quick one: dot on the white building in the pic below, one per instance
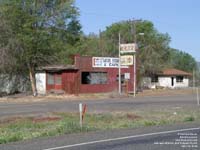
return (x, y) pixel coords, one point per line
(168, 78)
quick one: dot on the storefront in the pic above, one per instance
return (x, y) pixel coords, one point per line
(87, 75)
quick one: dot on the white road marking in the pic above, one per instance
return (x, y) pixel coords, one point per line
(121, 138)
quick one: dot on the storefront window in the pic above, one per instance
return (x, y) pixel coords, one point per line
(94, 78)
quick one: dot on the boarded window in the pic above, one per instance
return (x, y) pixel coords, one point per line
(179, 79)
(94, 78)
(50, 79)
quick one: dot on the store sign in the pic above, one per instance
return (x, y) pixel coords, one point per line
(128, 48)
(126, 60)
(106, 62)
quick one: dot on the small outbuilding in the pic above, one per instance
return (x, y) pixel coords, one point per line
(86, 75)
(168, 78)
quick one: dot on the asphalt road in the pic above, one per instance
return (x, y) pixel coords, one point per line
(99, 106)
(176, 137)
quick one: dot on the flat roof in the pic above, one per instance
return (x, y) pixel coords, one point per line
(57, 68)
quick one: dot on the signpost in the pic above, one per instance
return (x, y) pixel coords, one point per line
(119, 80)
(198, 102)
(128, 60)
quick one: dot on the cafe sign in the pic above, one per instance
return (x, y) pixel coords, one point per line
(126, 60)
(106, 62)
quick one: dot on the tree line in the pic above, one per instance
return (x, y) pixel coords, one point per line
(36, 33)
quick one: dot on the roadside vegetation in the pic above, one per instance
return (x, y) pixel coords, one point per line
(23, 128)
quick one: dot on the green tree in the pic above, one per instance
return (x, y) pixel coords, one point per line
(35, 31)
(182, 60)
(153, 46)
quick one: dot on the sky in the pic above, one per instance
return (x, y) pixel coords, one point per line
(179, 18)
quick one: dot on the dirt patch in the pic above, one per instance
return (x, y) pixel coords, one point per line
(10, 120)
(66, 97)
(46, 119)
(133, 116)
(166, 92)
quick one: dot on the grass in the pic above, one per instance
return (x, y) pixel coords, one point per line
(65, 123)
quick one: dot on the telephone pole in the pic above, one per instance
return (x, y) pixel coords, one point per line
(134, 55)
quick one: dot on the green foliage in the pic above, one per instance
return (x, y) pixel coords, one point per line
(154, 52)
(35, 31)
(189, 119)
(153, 46)
(182, 60)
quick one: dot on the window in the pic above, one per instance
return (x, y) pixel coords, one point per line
(50, 79)
(179, 79)
(154, 79)
(58, 79)
(53, 79)
(122, 78)
(94, 78)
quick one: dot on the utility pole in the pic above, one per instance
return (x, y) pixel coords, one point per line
(133, 28)
(134, 57)
(194, 80)
(198, 102)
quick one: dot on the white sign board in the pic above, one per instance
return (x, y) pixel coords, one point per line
(128, 48)
(127, 76)
(126, 60)
(106, 62)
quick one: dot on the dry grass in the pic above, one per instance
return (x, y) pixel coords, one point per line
(22, 128)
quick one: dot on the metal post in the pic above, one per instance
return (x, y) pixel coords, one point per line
(80, 113)
(134, 57)
(198, 102)
(134, 83)
(119, 77)
(194, 80)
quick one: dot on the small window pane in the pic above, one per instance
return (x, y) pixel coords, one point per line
(154, 79)
(58, 80)
(179, 79)
(50, 78)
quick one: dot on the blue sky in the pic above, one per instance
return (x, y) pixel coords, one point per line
(179, 18)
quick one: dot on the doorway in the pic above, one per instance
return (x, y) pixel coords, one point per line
(172, 83)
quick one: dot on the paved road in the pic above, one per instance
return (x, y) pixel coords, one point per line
(174, 137)
(108, 105)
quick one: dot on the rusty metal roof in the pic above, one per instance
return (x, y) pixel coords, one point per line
(173, 71)
(57, 68)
